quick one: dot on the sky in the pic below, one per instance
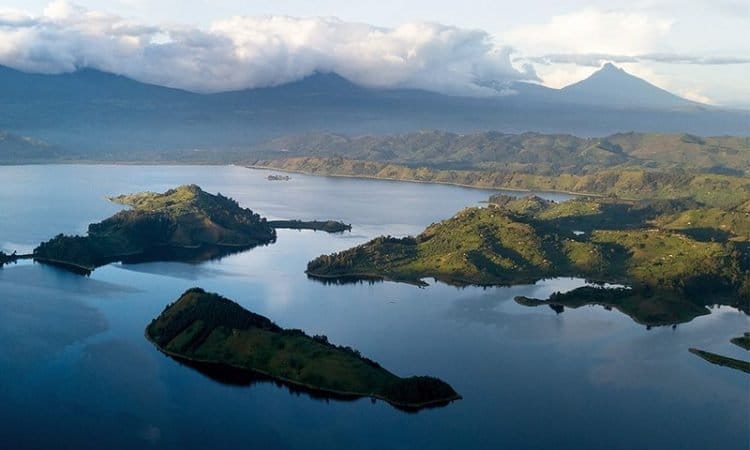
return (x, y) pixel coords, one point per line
(695, 48)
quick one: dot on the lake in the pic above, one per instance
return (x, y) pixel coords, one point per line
(76, 371)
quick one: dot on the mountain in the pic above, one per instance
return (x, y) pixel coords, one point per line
(90, 114)
(613, 86)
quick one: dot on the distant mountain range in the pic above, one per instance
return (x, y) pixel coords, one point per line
(96, 114)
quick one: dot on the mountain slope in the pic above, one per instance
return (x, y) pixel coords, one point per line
(95, 115)
(613, 86)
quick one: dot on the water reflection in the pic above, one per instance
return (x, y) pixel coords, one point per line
(37, 331)
(181, 270)
(232, 376)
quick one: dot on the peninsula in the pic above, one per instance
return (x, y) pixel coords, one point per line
(207, 328)
(674, 262)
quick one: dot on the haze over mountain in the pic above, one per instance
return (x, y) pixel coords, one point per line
(615, 87)
(99, 114)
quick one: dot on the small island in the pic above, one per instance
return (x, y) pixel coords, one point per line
(666, 252)
(184, 224)
(329, 226)
(207, 328)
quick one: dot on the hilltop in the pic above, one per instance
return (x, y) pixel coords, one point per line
(207, 328)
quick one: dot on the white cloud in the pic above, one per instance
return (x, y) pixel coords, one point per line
(650, 40)
(592, 31)
(247, 52)
(561, 75)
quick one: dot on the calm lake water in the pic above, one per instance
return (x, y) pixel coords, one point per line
(76, 371)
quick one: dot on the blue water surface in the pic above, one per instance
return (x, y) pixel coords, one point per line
(76, 371)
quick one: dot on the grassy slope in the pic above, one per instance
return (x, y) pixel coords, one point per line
(520, 241)
(209, 328)
(496, 245)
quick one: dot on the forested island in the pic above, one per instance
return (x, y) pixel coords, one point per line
(675, 256)
(182, 224)
(208, 328)
(185, 223)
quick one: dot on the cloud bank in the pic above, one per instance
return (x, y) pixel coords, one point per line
(251, 52)
(597, 59)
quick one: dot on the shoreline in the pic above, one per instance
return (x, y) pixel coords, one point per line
(310, 387)
(65, 265)
(301, 172)
(419, 282)
(444, 183)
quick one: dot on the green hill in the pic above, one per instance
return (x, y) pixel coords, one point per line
(525, 240)
(208, 328)
(185, 223)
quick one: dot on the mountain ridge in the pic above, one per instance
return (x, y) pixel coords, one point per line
(95, 113)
